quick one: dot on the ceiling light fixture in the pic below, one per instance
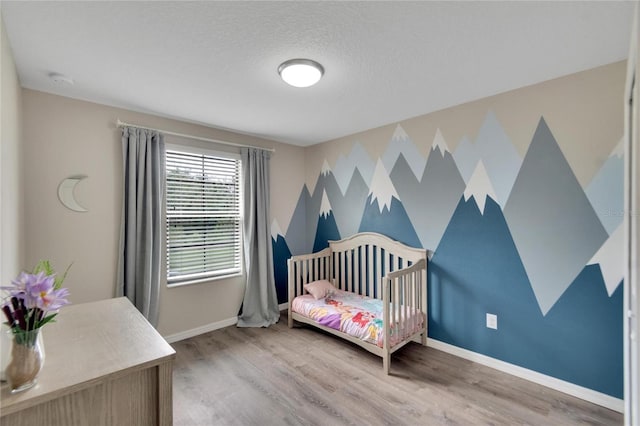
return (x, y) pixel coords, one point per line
(301, 72)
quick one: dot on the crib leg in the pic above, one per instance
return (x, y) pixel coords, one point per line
(385, 363)
(290, 320)
(423, 338)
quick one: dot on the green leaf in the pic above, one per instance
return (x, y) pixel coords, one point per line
(47, 319)
(45, 266)
(60, 279)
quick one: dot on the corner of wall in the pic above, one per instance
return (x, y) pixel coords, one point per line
(11, 166)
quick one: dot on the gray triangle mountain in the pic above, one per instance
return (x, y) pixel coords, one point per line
(554, 227)
(431, 202)
(348, 208)
(296, 235)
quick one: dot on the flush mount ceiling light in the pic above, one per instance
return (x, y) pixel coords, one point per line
(301, 72)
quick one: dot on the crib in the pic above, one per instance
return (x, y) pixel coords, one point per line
(368, 266)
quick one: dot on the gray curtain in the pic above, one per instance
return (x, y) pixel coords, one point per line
(140, 232)
(260, 304)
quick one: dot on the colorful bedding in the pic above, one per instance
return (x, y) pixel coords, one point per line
(355, 315)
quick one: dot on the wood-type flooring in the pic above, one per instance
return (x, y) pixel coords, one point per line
(302, 376)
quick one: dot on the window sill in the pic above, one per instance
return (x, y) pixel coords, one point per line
(203, 280)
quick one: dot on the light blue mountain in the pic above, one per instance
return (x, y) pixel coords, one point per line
(606, 191)
(466, 157)
(551, 220)
(501, 160)
(345, 167)
(348, 208)
(494, 148)
(430, 202)
(401, 144)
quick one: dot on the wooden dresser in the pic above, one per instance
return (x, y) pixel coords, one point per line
(104, 365)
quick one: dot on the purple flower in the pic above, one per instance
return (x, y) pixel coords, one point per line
(40, 293)
(19, 284)
(53, 300)
(33, 300)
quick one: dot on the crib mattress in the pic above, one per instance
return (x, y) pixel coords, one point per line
(358, 316)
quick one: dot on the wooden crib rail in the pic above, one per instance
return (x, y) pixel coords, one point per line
(304, 269)
(381, 241)
(404, 305)
(307, 268)
(362, 260)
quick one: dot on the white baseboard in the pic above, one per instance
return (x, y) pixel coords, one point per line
(200, 330)
(210, 327)
(587, 394)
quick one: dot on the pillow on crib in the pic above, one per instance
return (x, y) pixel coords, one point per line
(319, 289)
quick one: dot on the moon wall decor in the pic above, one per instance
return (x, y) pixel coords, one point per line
(65, 193)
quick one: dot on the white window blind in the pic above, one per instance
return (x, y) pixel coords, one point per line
(203, 216)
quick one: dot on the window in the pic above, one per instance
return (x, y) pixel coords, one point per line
(203, 216)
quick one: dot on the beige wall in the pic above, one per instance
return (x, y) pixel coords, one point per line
(11, 183)
(64, 137)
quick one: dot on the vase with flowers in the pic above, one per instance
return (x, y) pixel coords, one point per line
(33, 301)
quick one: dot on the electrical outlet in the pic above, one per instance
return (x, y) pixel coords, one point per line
(492, 321)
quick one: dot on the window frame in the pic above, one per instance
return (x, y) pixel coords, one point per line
(205, 276)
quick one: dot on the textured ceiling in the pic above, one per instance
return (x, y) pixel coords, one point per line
(215, 63)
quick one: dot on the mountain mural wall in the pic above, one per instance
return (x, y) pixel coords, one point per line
(553, 224)
(516, 236)
(579, 340)
(605, 192)
(440, 184)
(494, 149)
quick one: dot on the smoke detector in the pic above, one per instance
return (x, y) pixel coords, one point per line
(60, 79)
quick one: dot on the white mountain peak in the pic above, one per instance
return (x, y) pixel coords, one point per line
(275, 230)
(610, 261)
(325, 206)
(382, 188)
(479, 187)
(439, 143)
(618, 151)
(399, 134)
(325, 168)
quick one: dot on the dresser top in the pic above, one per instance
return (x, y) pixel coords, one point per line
(88, 343)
